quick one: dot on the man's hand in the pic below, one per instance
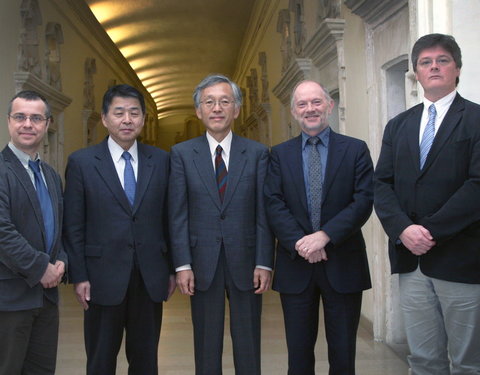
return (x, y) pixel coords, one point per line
(317, 256)
(186, 282)
(82, 291)
(261, 280)
(171, 286)
(417, 239)
(312, 243)
(52, 276)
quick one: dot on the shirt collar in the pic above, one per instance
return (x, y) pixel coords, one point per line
(22, 156)
(116, 150)
(226, 143)
(324, 136)
(444, 102)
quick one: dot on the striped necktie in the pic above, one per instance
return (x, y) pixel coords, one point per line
(428, 135)
(220, 172)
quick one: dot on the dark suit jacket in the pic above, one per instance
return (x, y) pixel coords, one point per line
(346, 206)
(444, 196)
(199, 222)
(103, 232)
(23, 259)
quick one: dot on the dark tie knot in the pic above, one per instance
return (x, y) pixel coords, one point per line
(34, 165)
(219, 150)
(313, 140)
(126, 155)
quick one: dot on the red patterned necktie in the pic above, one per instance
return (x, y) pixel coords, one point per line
(220, 172)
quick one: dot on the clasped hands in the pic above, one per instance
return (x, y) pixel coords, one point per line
(417, 239)
(312, 247)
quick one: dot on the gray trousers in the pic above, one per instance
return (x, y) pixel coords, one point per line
(442, 322)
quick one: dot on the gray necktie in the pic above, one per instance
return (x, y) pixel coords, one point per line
(129, 183)
(315, 182)
(428, 135)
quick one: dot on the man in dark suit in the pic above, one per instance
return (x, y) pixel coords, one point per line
(319, 193)
(221, 243)
(116, 236)
(32, 260)
(427, 194)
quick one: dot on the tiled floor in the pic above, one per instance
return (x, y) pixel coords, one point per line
(176, 343)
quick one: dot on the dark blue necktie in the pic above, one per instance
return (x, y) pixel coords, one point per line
(129, 183)
(45, 204)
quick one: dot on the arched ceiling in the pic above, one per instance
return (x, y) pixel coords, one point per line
(173, 44)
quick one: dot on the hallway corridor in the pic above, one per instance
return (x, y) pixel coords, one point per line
(176, 343)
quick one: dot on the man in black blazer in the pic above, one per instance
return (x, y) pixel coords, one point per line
(317, 219)
(32, 260)
(221, 243)
(427, 196)
(116, 236)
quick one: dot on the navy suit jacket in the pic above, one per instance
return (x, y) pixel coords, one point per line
(200, 222)
(347, 199)
(444, 196)
(23, 259)
(104, 235)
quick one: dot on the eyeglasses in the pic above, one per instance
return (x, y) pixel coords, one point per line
(34, 119)
(441, 61)
(210, 103)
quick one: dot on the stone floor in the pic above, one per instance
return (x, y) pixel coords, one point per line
(176, 343)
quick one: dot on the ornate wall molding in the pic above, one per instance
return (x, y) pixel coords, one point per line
(297, 71)
(322, 46)
(375, 12)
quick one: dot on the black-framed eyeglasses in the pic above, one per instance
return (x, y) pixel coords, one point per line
(34, 119)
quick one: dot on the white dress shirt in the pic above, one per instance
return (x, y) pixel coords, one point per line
(116, 152)
(441, 106)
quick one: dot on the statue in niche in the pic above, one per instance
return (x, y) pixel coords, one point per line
(53, 39)
(252, 84)
(296, 6)
(283, 27)
(262, 61)
(28, 56)
(90, 68)
(329, 9)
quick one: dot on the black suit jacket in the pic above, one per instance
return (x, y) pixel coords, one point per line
(23, 259)
(444, 196)
(346, 206)
(104, 235)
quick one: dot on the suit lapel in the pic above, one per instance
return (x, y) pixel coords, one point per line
(337, 147)
(107, 172)
(145, 171)
(25, 181)
(203, 163)
(412, 131)
(236, 166)
(449, 123)
(295, 164)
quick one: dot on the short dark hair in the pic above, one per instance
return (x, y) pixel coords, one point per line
(215, 79)
(447, 42)
(30, 95)
(123, 91)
